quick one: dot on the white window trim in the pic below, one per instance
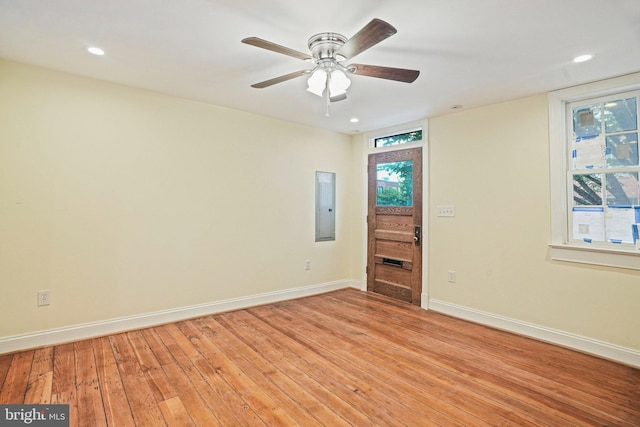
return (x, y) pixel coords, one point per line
(561, 250)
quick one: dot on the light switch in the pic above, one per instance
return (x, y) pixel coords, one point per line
(446, 211)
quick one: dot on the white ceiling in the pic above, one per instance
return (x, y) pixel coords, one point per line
(469, 52)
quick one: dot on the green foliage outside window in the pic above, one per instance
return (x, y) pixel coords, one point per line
(402, 195)
(402, 138)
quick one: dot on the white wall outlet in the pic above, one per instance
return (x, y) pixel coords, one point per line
(307, 264)
(451, 276)
(446, 210)
(44, 298)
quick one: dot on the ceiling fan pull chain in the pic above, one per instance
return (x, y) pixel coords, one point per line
(328, 102)
(327, 94)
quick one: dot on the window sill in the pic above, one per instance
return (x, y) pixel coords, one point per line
(619, 258)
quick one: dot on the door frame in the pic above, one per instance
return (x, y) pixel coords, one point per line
(366, 143)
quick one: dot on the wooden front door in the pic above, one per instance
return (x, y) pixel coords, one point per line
(394, 254)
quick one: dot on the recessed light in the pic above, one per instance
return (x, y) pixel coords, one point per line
(95, 50)
(354, 120)
(582, 58)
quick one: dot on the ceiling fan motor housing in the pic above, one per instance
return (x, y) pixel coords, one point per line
(323, 48)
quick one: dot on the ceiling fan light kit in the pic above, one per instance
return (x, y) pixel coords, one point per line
(329, 77)
(336, 81)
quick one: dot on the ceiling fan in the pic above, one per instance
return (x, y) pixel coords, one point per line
(328, 52)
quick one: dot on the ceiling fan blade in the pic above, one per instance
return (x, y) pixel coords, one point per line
(258, 42)
(372, 33)
(280, 79)
(389, 73)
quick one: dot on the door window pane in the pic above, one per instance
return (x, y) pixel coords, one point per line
(395, 184)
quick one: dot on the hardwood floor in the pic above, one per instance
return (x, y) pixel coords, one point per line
(343, 358)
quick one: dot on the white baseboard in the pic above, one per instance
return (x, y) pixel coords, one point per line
(602, 349)
(121, 324)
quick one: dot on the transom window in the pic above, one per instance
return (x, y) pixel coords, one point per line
(400, 138)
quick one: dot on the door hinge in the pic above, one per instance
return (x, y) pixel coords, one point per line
(367, 269)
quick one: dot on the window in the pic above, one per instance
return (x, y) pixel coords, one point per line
(603, 170)
(395, 184)
(401, 138)
(595, 172)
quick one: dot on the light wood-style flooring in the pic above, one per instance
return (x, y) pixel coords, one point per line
(342, 358)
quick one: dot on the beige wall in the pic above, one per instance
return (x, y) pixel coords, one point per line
(492, 163)
(122, 201)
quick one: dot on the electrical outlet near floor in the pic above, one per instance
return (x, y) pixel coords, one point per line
(44, 298)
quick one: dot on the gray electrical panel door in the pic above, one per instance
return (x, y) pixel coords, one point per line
(325, 206)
